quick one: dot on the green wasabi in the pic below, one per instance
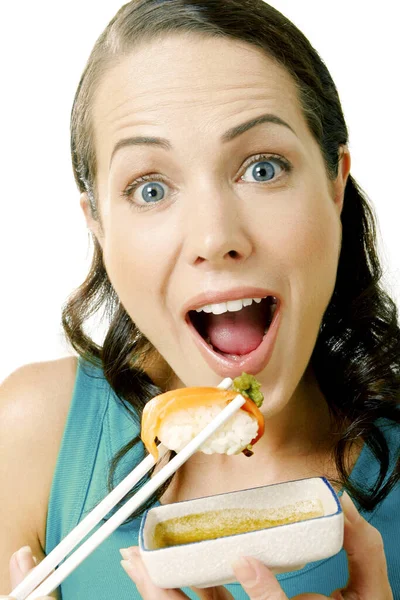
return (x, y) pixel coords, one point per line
(249, 387)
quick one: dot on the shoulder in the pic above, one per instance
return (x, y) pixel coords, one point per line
(34, 404)
(46, 374)
(35, 397)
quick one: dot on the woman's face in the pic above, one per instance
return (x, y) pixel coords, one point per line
(231, 208)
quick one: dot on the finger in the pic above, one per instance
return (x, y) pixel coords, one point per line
(366, 557)
(257, 580)
(22, 563)
(213, 593)
(135, 569)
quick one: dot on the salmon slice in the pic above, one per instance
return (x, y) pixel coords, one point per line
(157, 409)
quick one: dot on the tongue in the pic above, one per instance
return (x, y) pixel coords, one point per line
(237, 332)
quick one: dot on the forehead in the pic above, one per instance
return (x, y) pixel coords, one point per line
(190, 84)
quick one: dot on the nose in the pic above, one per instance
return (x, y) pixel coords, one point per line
(216, 235)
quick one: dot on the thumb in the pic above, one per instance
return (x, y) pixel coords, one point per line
(363, 544)
(21, 563)
(257, 580)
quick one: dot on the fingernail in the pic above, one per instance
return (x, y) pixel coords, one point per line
(128, 553)
(350, 509)
(24, 558)
(132, 570)
(245, 572)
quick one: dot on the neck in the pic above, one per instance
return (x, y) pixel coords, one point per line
(302, 428)
(297, 443)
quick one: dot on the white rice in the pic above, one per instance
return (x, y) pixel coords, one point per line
(182, 426)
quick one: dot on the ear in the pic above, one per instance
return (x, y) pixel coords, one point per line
(92, 223)
(339, 185)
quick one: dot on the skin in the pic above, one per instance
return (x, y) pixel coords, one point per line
(286, 237)
(366, 560)
(292, 226)
(362, 542)
(215, 230)
(21, 564)
(286, 233)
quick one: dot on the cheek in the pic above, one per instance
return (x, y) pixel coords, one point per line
(316, 240)
(304, 239)
(132, 260)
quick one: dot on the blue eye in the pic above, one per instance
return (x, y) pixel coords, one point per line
(264, 170)
(152, 189)
(145, 191)
(152, 192)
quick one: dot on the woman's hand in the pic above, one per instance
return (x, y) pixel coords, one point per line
(368, 579)
(20, 566)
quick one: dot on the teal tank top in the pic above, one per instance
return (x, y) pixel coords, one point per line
(97, 427)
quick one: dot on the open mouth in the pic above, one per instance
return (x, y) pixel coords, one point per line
(237, 328)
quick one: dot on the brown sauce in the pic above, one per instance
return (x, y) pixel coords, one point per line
(221, 523)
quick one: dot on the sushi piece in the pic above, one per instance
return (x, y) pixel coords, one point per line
(176, 417)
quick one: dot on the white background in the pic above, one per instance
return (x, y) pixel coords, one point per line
(44, 245)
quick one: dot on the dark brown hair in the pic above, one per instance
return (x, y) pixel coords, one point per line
(357, 354)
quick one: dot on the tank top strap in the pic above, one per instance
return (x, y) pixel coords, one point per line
(77, 453)
(97, 426)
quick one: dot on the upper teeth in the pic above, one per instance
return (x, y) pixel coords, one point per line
(231, 306)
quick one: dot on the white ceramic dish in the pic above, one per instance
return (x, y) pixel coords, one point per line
(282, 548)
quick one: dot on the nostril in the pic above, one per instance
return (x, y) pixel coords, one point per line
(217, 257)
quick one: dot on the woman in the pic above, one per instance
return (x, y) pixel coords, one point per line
(210, 150)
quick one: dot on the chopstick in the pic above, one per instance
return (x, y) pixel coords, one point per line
(73, 538)
(54, 580)
(39, 574)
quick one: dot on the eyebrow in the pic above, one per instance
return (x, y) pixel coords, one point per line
(228, 136)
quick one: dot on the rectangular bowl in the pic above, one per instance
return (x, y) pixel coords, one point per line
(282, 548)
